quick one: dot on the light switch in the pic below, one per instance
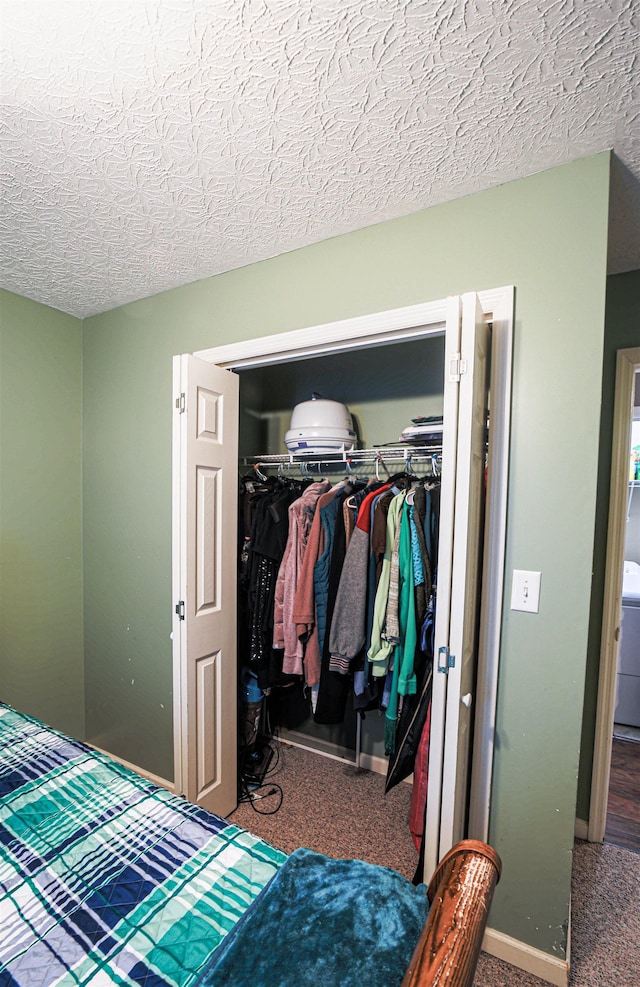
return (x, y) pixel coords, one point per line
(525, 591)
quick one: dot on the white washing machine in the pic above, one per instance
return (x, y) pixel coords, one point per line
(628, 687)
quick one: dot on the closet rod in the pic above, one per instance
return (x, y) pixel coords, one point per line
(347, 459)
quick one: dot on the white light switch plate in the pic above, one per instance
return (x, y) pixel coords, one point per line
(525, 591)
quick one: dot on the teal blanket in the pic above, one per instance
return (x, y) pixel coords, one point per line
(322, 922)
(106, 879)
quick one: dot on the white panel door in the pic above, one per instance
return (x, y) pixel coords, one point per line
(444, 576)
(205, 533)
(466, 571)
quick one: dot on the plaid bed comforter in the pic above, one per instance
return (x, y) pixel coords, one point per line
(106, 878)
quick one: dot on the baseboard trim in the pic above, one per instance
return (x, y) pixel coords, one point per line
(581, 832)
(380, 765)
(526, 957)
(156, 779)
(369, 762)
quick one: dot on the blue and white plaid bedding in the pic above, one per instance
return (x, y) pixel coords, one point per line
(104, 877)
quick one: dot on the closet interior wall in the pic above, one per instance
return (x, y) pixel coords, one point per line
(384, 387)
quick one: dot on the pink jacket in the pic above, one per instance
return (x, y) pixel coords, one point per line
(285, 636)
(304, 611)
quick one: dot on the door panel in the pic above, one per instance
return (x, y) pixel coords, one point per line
(206, 436)
(208, 535)
(466, 573)
(207, 702)
(443, 597)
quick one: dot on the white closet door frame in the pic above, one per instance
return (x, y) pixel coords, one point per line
(465, 576)
(627, 360)
(493, 576)
(396, 325)
(444, 576)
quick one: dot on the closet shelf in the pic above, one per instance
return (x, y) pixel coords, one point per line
(408, 456)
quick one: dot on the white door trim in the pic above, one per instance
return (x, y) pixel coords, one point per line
(393, 325)
(528, 958)
(466, 586)
(626, 362)
(493, 576)
(442, 626)
(412, 322)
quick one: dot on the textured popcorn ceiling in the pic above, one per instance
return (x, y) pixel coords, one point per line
(148, 145)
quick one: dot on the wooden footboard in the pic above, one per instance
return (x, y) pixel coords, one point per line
(460, 893)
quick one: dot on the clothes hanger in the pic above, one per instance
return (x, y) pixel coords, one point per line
(379, 461)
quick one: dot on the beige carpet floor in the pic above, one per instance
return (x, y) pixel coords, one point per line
(335, 809)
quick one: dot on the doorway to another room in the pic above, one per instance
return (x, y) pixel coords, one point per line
(623, 804)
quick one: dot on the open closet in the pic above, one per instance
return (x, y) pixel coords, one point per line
(381, 404)
(233, 407)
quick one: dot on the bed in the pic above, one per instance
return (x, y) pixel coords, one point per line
(107, 879)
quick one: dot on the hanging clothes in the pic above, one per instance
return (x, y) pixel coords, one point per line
(304, 602)
(263, 531)
(381, 647)
(368, 690)
(329, 518)
(418, 519)
(285, 637)
(418, 806)
(339, 587)
(343, 616)
(348, 634)
(412, 718)
(403, 681)
(334, 688)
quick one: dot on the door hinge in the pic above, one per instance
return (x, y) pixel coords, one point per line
(181, 403)
(445, 660)
(457, 367)
(180, 609)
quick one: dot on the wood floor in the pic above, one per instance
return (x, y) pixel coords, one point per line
(623, 807)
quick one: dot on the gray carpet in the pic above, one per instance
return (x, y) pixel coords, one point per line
(335, 809)
(331, 807)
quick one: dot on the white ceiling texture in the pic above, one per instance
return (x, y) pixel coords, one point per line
(148, 145)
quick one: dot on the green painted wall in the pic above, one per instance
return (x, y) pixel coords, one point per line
(41, 648)
(546, 235)
(622, 330)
